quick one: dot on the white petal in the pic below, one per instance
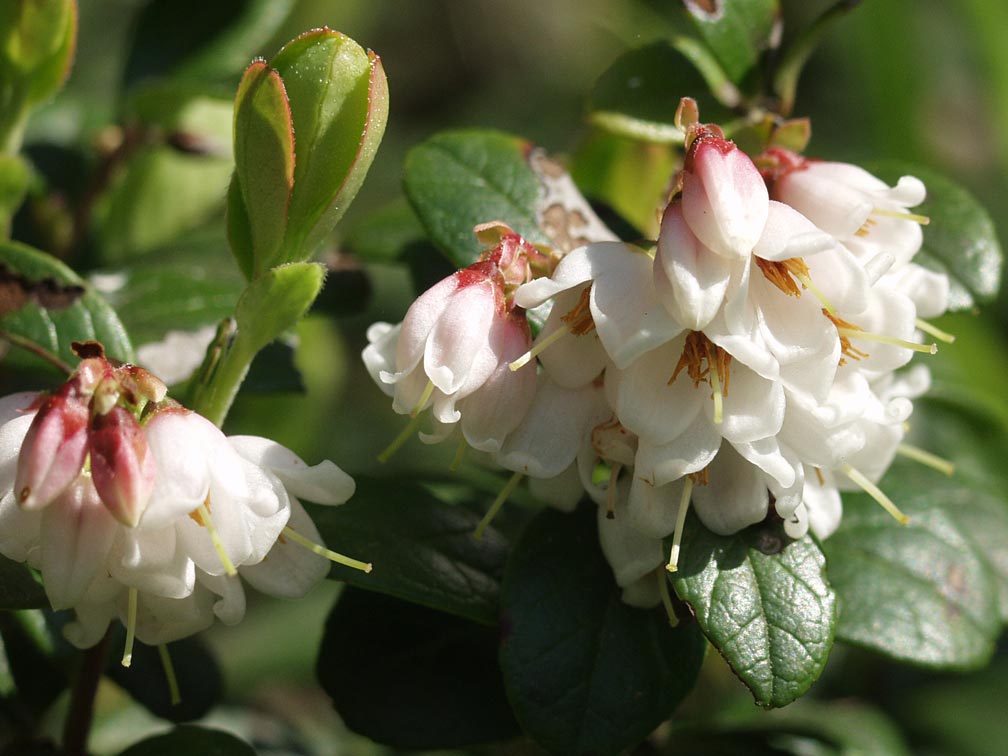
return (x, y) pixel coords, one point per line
(379, 354)
(735, 497)
(575, 359)
(788, 234)
(822, 501)
(753, 407)
(653, 510)
(419, 320)
(324, 483)
(182, 451)
(630, 553)
(151, 561)
(691, 451)
(230, 607)
(562, 492)
(457, 344)
(577, 267)
(289, 569)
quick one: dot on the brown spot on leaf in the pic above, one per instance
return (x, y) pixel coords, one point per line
(546, 166)
(16, 291)
(559, 223)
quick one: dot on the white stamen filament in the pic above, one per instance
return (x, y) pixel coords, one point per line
(902, 215)
(718, 396)
(926, 458)
(684, 500)
(666, 599)
(169, 672)
(855, 333)
(509, 487)
(208, 523)
(938, 333)
(611, 491)
(399, 440)
(539, 348)
(876, 493)
(322, 551)
(131, 618)
(418, 407)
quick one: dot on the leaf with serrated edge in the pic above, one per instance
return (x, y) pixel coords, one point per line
(764, 602)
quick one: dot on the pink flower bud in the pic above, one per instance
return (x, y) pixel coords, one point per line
(122, 465)
(54, 448)
(724, 198)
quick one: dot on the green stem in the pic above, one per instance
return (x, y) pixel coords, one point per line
(215, 395)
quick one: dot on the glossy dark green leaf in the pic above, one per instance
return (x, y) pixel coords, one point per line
(645, 85)
(18, 587)
(737, 31)
(459, 179)
(585, 673)
(197, 40)
(264, 159)
(339, 104)
(412, 677)
(422, 549)
(189, 739)
(199, 679)
(922, 592)
(960, 240)
(46, 306)
(764, 602)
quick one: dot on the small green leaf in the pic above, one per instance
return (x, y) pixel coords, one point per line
(339, 105)
(18, 587)
(919, 593)
(39, 677)
(275, 302)
(264, 159)
(737, 31)
(459, 179)
(14, 178)
(161, 194)
(192, 740)
(440, 671)
(763, 602)
(960, 240)
(46, 307)
(39, 43)
(199, 679)
(585, 673)
(422, 549)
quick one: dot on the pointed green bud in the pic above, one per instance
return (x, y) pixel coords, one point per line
(287, 193)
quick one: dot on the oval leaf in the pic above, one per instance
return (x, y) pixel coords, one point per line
(918, 593)
(339, 105)
(441, 672)
(422, 549)
(585, 673)
(737, 31)
(275, 302)
(45, 306)
(264, 159)
(193, 740)
(960, 240)
(459, 179)
(763, 602)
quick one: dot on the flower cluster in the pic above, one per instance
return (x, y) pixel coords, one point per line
(133, 507)
(745, 365)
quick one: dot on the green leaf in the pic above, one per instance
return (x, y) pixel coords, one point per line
(275, 302)
(339, 105)
(422, 549)
(18, 587)
(631, 176)
(160, 194)
(764, 602)
(146, 293)
(45, 306)
(645, 85)
(585, 673)
(960, 240)
(14, 178)
(195, 40)
(737, 31)
(264, 159)
(440, 671)
(918, 593)
(28, 646)
(39, 43)
(199, 679)
(193, 740)
(459, 179)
